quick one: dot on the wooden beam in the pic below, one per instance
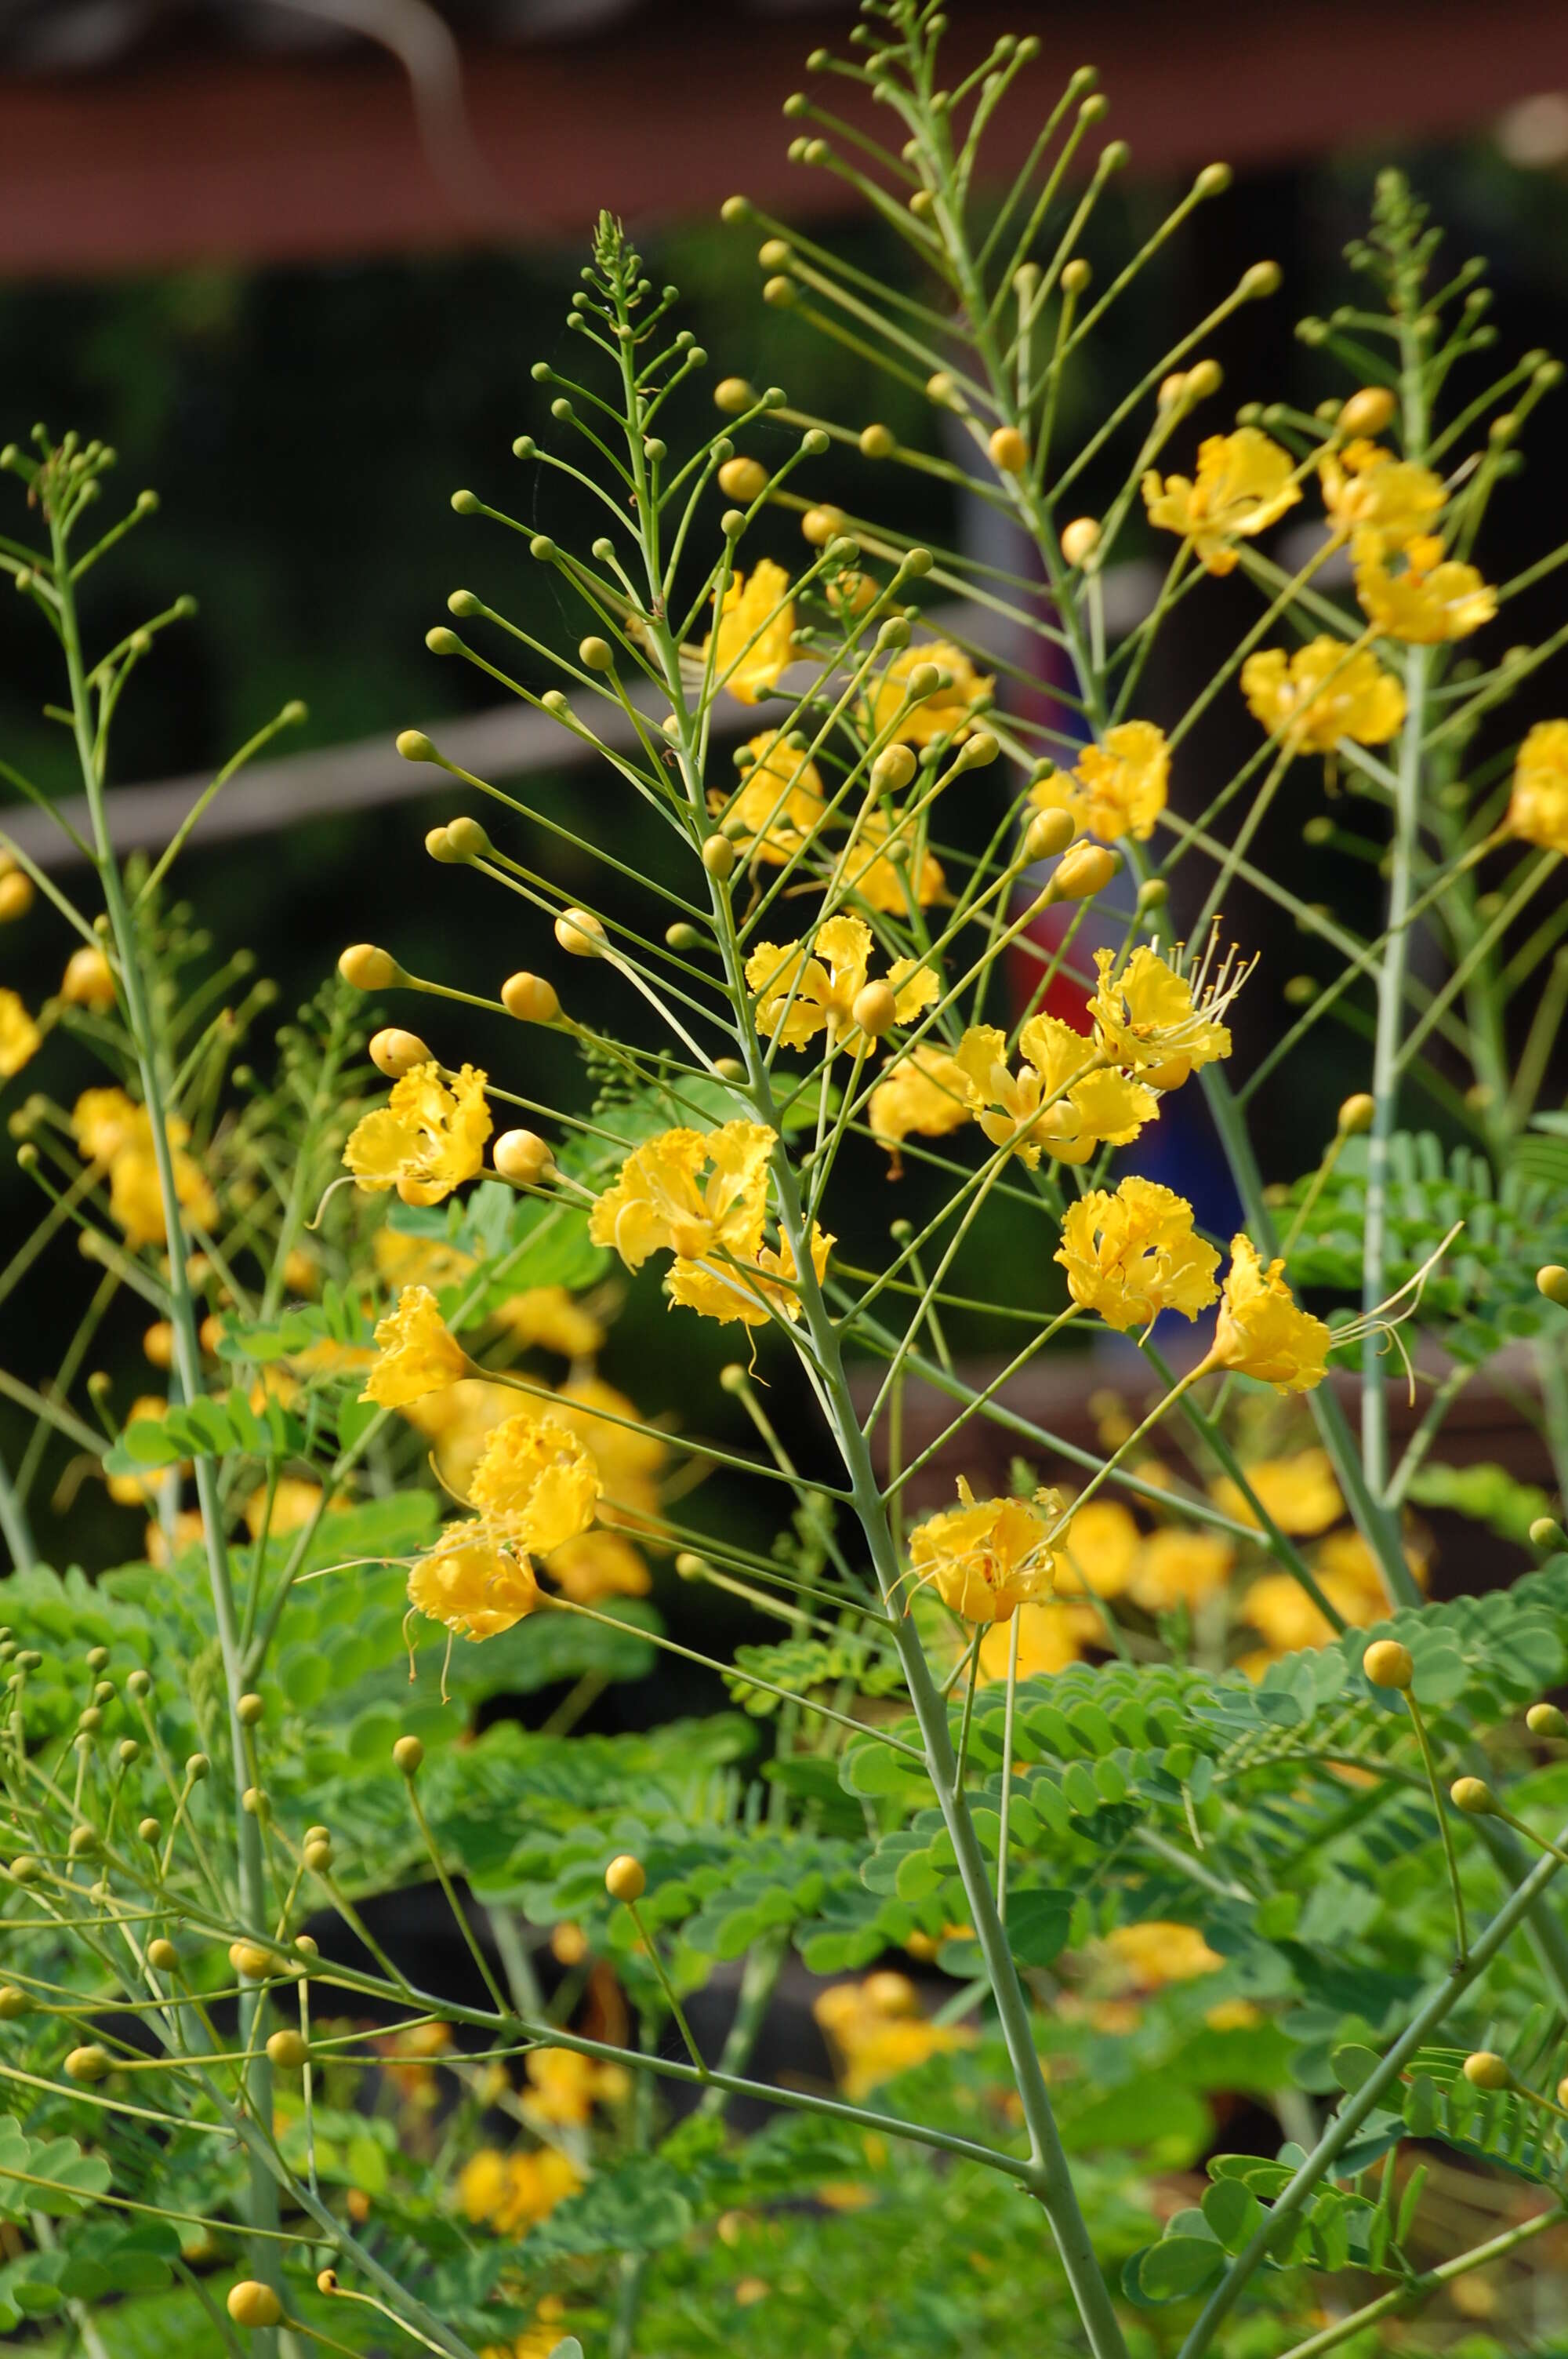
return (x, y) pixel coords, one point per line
(260, 160)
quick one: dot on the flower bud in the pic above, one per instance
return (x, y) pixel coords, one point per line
(249, 1710)
(1009, 451)
(89, 2063)
(1474, 1797)
(197, 1767)
(1048, 834)
(719, 857)
(1367, 412)
(1356, 1115)
(1204, 380)
(127, 1752)
(89, 980)
(1546, 1532)
(1486, 2071)
(414, 747)
(821, 524)
(1387, 1664)
(251, 2303)
(1553, 1281)
(624, 1879)
(1545, 1720)
(976, 752)
(469, 840)
(1172, 388)
(163, 1955)
(409, 1754)
(318, 1857)
(579, 933)
(1262, 280)
(138, 1683)
(249, 1958)
(1084, 870)
(289, 2050)
(12, 2003)
(780, 292)
(922, 681)
(1172, 1073)
(82, 1842)
(368, 969)
(682, 936)
(732, 394)
(26, 1869)
(522, 1156)
(877, 442)
(149, 1831)
(530, 998)
(158, 1344)
(742, 479)
(1212, 180)
(395, 1052)
(325, 2280)
(16, 895)
(1079, 539)
(875, 1009)
(729, 1069)
(438, 848)
(256, 1805)
(892, 769)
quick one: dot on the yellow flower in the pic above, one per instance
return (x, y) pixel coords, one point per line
(476, 1584)
(1538, 807)
(1346, 1557)
(1100, 1549)
(1243, 485)
(1179, 1568)
(536, 1483)
(1300, 1493)
(803, 988)
(985, 1557)
(1008, 1105)
(546, 1319)
(1154, 1954)
(875, 2029)
(754, 641)
(564, 2087)
(948, 713)
(1118, 789)
(109, 1128)
(414, 1354)
(926, 1091)
(1262, 1332)
(419, 1261)
(510, 2192)
(1286, 1619)
(1050, 1636)
(89, 980)
(427, 1138)
(1321, 693)
(1150, 1013)
(1134, 1253)
(190, 1531)
(741, 1289)
(663, 1202)
(892, 888)
(1436, 598)
(780, 803)
(458, 1421)
(597, 1565)
(294, 1502)
(103, 1121)
(631, 1457)
(1109, 1108)
(1366, 490)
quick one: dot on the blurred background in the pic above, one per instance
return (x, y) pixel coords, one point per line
(295, 259)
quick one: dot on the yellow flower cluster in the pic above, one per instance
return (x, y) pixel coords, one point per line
(535, 1486)
(415, 1354)
(948, 712)
(1064, 1099)
(703, 1196)
(806, 987)
(20, 1038)
(1245, 482)
(114, 1133)
(509, 2193)
(780, 804)
(987, 1557)
(1391, 508)
(1323, 692)
(1118, 787)
(876, 2030)
(1538, 805)
(564, 2087)
(427, 1138)
(1132, 1255)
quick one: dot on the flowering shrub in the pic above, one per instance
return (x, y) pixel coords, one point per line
(1167, 1882)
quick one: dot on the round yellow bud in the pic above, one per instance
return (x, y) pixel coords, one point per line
(742, 479)
(12, 2003)
(163, 1955)
(522, 1156)
(822, 525)
(1356, 1115)
(530, 998)
(1261, 281)
(595, 654)
(289, 2050)
(852, 593)
(877, 442)
(1204, 380)
(732, 394)
(1084, 870)
(408, 1754)
(1553, 1281)
(16, 895)
(366, 968)
(250, 1958)
(249, 1710)
(1368, 411)
(89, 980)
(690, 1566)
(158, 1344)
(318, 1857)
(579, 933)
(467, 839)
(1474, 1797)
(1170, 1074)
(1009, 451)
(395, 1052)
(1387, 1664)
(719, 857)
(1172, 388)
(251, 2303)
(1545, 1720)
(149, 1830)
(875, 1009)
(892, 769)
(1079, 539)
(569, 1943)
(1048, 834)
(1486, 2071)
(624, 1879)
(438, 846)
(89, 2063)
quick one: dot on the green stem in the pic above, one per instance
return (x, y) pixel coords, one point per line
(1415, 2289)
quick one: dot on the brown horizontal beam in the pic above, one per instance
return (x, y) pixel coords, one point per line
(257, 160)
